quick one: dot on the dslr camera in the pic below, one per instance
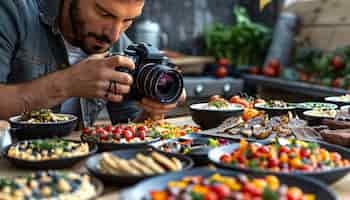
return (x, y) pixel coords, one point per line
(154, 75)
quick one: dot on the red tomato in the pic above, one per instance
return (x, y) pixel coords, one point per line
(269, 71)
(273, 162)
(117, 131)
(251, 189)
(211, 196)
(275, 64)
(224, 61)
(235, 99)
(142, 128)
(284, 149)
(226, 159)
(305, 152)
(86, 131)
(142, 134)
(109, 128)
(130, 128)
(214, 98)
(221, 72)
(244, 103)
(263, 149)
(128, 134)
(338, 63)
(222, 191)
(99, 130)
(303, 76)
(294, 194)
(104, 135)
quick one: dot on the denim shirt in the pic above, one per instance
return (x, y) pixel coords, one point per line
(31, 47)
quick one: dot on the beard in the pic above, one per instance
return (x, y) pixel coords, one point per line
(81, 35)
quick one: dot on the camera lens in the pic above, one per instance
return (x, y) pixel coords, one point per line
(159, 82)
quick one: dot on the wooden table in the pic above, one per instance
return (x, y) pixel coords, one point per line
(111, 192)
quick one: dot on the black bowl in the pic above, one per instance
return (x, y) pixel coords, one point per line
(271, 111)
(199, 156)
(327, 176)
(59, 163)
(92, 166)
(27, 131)
(103, 147)
(210, 118)
(141, 191)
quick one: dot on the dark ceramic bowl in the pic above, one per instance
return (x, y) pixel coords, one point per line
(275, 111)
(108, 146)
(142, 190)
(327, 176)
(198, 155)
(211, 118)
(21, 130)
(58, 163)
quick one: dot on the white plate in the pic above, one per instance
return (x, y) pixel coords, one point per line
(336, 99)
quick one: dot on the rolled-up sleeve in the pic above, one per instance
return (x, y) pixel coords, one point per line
(9, 35)
(127, 110)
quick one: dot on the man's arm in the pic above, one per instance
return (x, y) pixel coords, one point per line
(41, 93)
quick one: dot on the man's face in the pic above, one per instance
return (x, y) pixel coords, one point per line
(97, 24)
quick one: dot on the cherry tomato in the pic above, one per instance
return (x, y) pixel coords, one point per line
(284, 149)
(99, 130)
(131, 129)
(273, 162)
(226, 159)
(263, 149)
(224, 61)
(275, 64)
(109, 128)
(211, 196)
(307, 168)
(214, 98)
(221, 72)
(86, 131)
(244, 103)
(235, 99)
(335, 156)
(338, 63)
(222, 191)
(305, 153)
(142, 134)
(117, 131)
(294, 194)
(104, 135)
(128, 134)
(142, 128)
(250, 113)
(251, 189)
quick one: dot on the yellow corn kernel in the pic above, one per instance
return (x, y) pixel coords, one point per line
(177, 184)
(272, 182)
(324, 154)
(309, 197)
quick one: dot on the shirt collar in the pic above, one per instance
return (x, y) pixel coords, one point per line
(49, 11)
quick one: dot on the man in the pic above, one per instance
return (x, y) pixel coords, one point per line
(52, 55)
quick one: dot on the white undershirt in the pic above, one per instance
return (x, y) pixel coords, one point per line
(75, 55)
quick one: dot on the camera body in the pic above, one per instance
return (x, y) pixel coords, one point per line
(154, 75)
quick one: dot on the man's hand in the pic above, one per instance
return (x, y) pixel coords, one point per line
(155, 110)
(91, 78)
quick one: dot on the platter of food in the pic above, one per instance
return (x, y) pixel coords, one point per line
(126, 167)
(264, 127)
(51, 185)
(204, 183)
(48, 153)
(316, 159)
(42, 124)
